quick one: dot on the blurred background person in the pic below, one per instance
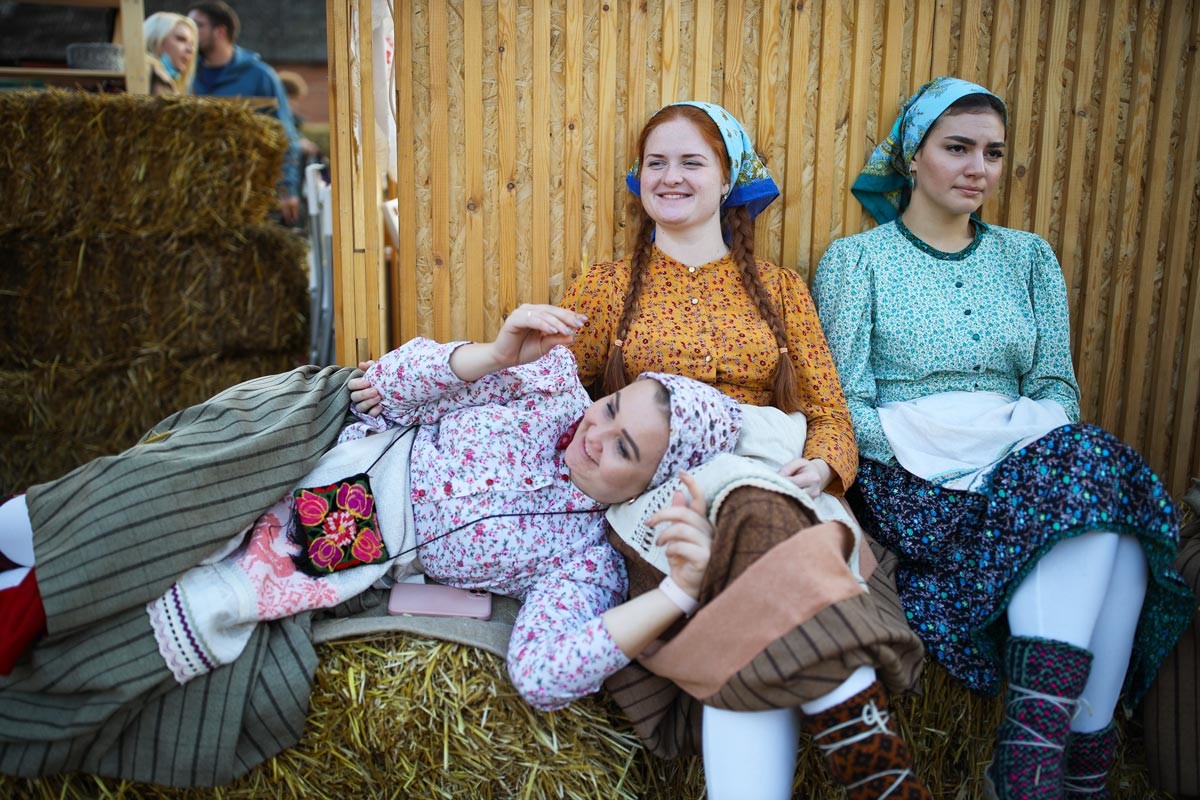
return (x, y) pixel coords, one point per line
(171, 41)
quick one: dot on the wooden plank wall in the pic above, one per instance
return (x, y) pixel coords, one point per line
(517, 116)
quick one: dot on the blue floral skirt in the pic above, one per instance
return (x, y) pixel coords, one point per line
(962, 554)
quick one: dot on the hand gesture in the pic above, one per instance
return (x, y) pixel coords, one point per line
(810, 475)
(532, 331)
(688, 537)
(363, 395)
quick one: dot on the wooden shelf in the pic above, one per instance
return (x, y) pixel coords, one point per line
(59, 75)
(136, 76)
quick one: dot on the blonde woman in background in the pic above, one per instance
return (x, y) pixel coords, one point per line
(171, 45)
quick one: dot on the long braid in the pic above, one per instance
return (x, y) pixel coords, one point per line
(741, 246)
(615, 376)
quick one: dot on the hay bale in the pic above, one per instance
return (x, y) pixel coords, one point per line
(83, 299)
(56, 416)
(409, 717)
(76, 163)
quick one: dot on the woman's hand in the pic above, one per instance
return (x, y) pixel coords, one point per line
(363, 395)
(528, 334)
(532, 331)
(688, 538)
(811, 475)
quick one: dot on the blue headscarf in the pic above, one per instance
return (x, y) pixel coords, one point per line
(750, 184)
(884, 185)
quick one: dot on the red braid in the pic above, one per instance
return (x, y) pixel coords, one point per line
(741, 246)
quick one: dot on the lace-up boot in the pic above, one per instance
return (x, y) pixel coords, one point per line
(862, 752)
(1089, 758)
(1045, 679)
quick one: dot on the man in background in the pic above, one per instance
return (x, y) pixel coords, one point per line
(227, 70)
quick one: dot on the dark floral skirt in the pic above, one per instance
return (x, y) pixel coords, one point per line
(962, 554)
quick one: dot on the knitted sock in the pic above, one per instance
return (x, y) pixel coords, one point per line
(862, 753)
(22, 620)
(1045, 679)
(1089, 758)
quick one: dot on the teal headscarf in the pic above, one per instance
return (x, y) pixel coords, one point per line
(750, 184)
(884, 185)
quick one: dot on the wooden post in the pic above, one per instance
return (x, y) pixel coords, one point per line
(359, 297)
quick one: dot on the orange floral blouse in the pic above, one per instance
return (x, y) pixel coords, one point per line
(700, 322)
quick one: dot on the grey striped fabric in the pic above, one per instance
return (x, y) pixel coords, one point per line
(1171, 708)
(95, 695)
(810, 661)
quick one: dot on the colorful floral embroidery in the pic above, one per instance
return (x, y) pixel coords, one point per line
(337, 528)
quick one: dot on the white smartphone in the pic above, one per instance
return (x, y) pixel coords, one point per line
(436, 600)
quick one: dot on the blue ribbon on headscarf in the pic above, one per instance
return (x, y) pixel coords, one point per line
(750, 184)
(885, 185)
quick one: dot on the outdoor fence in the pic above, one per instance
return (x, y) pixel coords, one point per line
(516, 121)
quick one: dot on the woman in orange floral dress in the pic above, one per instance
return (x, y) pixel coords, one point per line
(693, 300)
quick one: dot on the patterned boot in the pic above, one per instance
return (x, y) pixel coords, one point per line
(862, 753)
(1045, 679)
(1089, 758)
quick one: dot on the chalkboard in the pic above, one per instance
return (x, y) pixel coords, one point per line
(281, 31)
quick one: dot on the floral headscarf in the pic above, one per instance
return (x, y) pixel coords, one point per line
(750, 184)
(704, 423)
(885, 185)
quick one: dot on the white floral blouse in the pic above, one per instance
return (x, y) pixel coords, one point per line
(486, 465)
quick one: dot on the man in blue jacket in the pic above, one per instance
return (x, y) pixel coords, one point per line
(227, 70)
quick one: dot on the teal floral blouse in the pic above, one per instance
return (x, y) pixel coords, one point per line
(904, 320)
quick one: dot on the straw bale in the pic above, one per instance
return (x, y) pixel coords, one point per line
(74, 163)
(407, 717)
(85, 299)
(56, 416)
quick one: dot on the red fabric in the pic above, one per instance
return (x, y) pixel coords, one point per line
(22, 620)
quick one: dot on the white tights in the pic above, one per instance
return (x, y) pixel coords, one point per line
(16, 540)
(1088, 592)
(751, 755)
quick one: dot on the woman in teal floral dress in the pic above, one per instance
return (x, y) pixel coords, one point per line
(1032, 548)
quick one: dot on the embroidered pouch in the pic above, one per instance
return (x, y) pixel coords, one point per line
(337, 528)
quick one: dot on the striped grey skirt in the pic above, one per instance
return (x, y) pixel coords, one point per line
(94, 694)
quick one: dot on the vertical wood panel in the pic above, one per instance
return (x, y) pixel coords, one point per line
(1122, 283)
(764, 137)
(999, 57)
(1020, 135)
(404, 298)
(1187, 402)
(1053, 89)
(943, 16)
(999, 53)
(572, 174)
(703, 52)
(968, 42)
(342, 100)
(1088, 358)
(472, 206)
(635, 100)
(541, 144)
(829, 92)
(1171, 415)
(856, 123)
(506, 174)
(607, 95)
(439, 169)
(1079, 158)
(669, 72)
(795, 223)
(891, 93)
(921, 57)
(1139, 376)
(731, 82)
